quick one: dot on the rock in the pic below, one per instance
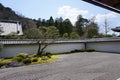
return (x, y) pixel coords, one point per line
(12, 64)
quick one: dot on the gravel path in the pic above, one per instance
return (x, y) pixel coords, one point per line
(77, 66)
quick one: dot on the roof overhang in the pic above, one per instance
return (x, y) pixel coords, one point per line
(113, 5)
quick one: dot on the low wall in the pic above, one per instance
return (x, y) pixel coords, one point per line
(14, 47)
(105, 46)
(12, 50)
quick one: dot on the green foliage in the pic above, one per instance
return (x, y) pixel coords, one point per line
(92, 30)
(108, 36)
(76, 50)
(17, 58)
(83, 50)
(89, 50)
(27, 61)
(35, 59)
(74, 35)
(67, 26)
(80, 24)
(51, 21)
(50, 32)
(20, 57)
(33, 33)
(12, 35)
(65, 36)
(23, 55)
(48, 54)
(2, 63)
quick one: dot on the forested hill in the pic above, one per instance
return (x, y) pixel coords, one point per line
(83, 28)
(8, 14)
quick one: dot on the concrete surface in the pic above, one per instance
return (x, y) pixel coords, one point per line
(77, 66)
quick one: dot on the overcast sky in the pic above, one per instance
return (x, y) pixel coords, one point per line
(65, 8)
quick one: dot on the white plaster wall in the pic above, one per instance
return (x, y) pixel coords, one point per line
(12, 50)
(105, 46)
(11, 27)
(61, 48)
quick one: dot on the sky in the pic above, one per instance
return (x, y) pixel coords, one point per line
(63, 8)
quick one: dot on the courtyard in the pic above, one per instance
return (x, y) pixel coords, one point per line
(76, 66)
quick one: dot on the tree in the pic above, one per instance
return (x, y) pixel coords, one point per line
(43, 22)
(80, 24)
(33, 33)
(38, 22)
(65, 36)
(106, 26)
(92, 30)
(51, 21)
(45, 36)
(74, 35)
(67, 26)
(59, 25)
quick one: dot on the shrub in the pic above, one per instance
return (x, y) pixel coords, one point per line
(108, 36)
(89, 50)
(73, 51)
(34, 59)
(17, 58)
(2, 63)
(27, 61)
(22, 55)
(48, 54)
(82, 50)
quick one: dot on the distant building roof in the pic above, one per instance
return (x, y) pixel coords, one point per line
(10, 21)
(113, 5)
(117, 29)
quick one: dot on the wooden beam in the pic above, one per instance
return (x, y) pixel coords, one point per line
(98, 3)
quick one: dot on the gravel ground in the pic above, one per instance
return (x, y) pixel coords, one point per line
(76, 66)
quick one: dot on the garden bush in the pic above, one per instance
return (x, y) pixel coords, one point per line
(17, 58)
(73, 51)
(82, 50)
(34, 59)
(23, 55)
(27, 61)
(2, 63)
(48, 54)
(89, 50)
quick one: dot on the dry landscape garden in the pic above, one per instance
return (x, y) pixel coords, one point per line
(57, 49)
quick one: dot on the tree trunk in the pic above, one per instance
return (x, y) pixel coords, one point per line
(39, 53)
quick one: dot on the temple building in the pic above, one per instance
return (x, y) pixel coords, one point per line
(10, 26)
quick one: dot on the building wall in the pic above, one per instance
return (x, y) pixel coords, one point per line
(13, 50)
(11, 27)
(105, 46)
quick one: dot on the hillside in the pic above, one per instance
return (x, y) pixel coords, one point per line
(8, 14)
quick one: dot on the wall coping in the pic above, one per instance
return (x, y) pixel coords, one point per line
(34, 41)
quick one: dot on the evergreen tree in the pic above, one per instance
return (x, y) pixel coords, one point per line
(51, 21)
(43, 22)
(59, 25)
(67, 26)
(38, 22)
(80, 24)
